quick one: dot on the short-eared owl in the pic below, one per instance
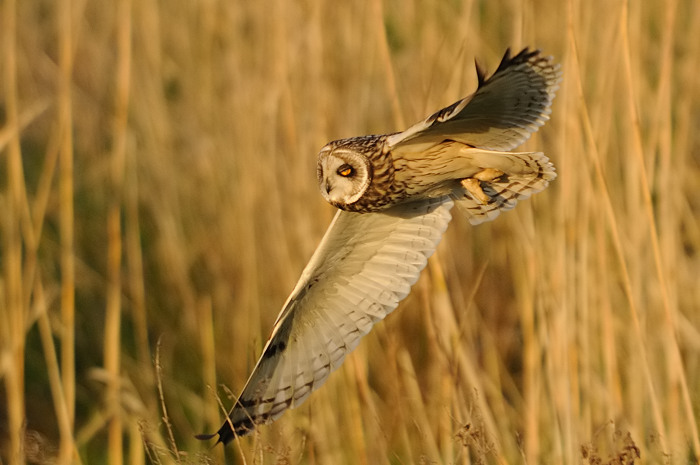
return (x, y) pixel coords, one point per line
(395, 193)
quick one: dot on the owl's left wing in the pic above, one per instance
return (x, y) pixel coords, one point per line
(505, 109)
(365, 264)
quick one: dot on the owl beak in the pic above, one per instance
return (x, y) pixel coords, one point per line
(328, 187)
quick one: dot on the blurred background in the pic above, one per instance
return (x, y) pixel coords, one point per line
(158, 201)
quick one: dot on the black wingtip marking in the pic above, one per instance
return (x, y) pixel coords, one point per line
(275, 349)
(206, 437)
(506, 62)
(228, 432)
(522, 57)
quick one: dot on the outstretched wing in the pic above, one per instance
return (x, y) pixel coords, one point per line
(503, 112)
(365, 264)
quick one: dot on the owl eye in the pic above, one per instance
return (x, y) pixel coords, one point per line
(345, 170)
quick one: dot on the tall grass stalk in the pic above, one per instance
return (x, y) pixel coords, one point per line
(13, 320)
(65, 26)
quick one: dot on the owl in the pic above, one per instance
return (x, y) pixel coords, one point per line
(461, 151)
(394, 193)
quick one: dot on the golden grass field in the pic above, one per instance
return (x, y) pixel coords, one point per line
(158, 201)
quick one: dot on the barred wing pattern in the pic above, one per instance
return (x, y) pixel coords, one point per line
(365, 265)
(506, 108)
(531, 173)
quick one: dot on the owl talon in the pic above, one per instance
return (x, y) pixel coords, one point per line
(488, 175)
(473, 186)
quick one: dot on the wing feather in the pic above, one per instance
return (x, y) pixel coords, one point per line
(365, 264)
(506, 108)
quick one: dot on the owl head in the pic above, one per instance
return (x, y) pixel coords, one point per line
(344, 175)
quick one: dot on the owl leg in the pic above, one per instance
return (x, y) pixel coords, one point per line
(488, 175)
(473, 184)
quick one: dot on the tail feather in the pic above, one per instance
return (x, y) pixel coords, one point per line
(531, 173)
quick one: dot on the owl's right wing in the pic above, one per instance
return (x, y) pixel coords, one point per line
(365, 264)
(505, 109)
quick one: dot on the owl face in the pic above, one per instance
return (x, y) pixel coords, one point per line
(343, 175)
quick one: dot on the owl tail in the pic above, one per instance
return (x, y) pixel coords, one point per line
(506, 178)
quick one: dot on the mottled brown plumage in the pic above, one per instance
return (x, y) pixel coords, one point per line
(382, 190)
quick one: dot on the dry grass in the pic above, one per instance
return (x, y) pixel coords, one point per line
(157, 192)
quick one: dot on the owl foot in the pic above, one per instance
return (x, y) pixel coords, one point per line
(488, 175)
(473, 184)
